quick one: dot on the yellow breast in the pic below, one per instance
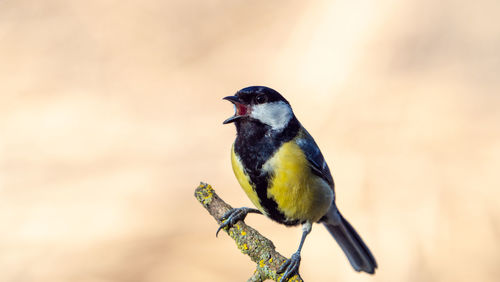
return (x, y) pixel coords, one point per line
(244, 181)
(300, 194)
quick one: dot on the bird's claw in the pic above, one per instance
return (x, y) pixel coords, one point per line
(290, 267)
(231, 217)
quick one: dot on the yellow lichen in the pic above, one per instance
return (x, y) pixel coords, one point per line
(261, 263)
(243, 233)
(205, 194)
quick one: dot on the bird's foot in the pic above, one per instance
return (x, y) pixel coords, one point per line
(290, 267)
(232, 216)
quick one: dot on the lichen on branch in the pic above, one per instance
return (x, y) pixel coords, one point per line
(250, 242)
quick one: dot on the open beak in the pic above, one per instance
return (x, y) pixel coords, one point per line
(240, 110)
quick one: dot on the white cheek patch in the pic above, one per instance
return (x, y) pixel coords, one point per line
(275, 114)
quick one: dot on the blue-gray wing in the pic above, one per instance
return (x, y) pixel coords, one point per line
(314, 156)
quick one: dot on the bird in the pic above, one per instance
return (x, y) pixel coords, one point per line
(284, 174)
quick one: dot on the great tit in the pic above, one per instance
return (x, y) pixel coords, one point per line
(281, 169)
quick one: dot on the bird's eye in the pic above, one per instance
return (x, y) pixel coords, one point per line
(260, 99)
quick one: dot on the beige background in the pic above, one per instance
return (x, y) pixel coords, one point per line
(111, 114)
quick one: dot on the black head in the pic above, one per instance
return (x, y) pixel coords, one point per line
(253, 95)
(261, 104)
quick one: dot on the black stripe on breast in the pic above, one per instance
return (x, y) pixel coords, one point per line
(254, 145)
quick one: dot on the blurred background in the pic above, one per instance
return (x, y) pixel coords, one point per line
(111, 114)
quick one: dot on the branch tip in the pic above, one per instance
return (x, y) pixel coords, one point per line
(248, 240)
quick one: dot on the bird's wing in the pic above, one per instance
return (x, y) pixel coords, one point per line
(314, 156)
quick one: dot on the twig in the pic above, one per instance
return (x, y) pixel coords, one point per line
(250, 242)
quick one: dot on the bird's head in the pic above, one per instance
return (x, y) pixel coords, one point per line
(260, 104)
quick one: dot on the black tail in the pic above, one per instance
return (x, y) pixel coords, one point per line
(353, 246)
